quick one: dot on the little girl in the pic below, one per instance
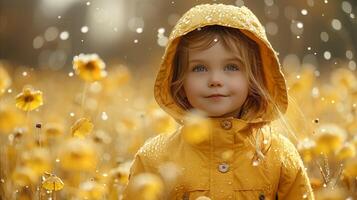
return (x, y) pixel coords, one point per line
(219, 62)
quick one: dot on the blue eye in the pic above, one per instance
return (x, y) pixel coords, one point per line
(232, 67)
(199, 68)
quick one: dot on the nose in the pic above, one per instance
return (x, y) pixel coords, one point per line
(215, 80)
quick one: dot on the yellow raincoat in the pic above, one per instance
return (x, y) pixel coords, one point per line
(203, 171)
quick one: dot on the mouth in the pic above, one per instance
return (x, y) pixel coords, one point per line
(216, 95)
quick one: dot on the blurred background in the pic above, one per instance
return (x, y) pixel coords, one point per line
(69, 130)
(47, 33)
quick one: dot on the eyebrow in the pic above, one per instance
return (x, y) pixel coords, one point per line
(228, 59)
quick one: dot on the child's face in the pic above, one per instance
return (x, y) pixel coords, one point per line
(215, 71)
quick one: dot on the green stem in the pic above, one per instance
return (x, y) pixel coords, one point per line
(84, 96)
(53, 191)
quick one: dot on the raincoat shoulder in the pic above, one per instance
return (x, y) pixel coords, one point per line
(154, 152)
(149, 157)
(293, 182)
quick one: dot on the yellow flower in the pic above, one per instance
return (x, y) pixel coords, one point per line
(38, 159)
(306, 148)
(92, 190)
(89, 67)
(344, 78)
(329, 138)
(316, 183)
(331, 193)
(347, 151)
(53, 129)
(354, 141)
(24, 176)
(29, 99)
(101, 137)
(5, 80)
(78, 155)
(119, 76)
(162, 122)
(121, 173)
(302, 85)
(351, 167)
(53, 183)
(10, 119)
(81, 128)
(196, 128)
(146, 186)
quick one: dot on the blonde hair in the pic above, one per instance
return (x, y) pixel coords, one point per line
(246, 49)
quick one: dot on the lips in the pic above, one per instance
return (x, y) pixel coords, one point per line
(216, 95)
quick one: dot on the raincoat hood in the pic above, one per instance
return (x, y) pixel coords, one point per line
(229, 16)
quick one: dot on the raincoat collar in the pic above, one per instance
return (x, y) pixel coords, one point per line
(226, 132)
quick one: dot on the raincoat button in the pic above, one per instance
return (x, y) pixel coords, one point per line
(261, 197)
(226, 124)
(186, 196)
(223, 167)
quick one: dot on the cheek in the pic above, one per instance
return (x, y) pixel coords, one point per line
(240, 86)
(192, 86)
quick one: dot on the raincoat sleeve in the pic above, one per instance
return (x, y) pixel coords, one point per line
(136, 168)
(294, 183)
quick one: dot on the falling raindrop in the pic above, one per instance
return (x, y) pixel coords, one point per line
(139, 30)
(327, 55)
(104, 116)
(271, 28)
(315, 93)
(24, 73)
(336, 24)
(349, 54)
(239, 3)
(51, 33)
(352, 65)
(304, 12)
(346, 7)
(255, 163)
(84, 29)
(300, 25)
(136, 41)
(88, 3)
(269, 2)
(304, 196)
(64, 35)
(70, 74)
(38, 42)
(161, 30)
(162, 41)
(324, 36)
